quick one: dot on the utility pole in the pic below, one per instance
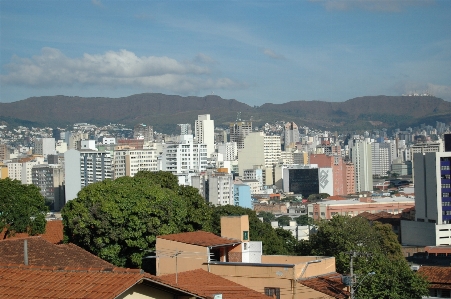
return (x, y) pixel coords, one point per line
(353, 278)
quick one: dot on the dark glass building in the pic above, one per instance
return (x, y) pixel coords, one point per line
(303, 181)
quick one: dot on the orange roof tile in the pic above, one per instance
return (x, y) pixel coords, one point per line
(205, 283)
(44, 253)
(53, 232)
(199, 238)
(19, 281)
(329, 284)
(436, 275)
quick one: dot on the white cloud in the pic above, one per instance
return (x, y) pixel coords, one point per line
(122, 68)
(97, 3)
(372, 5)
(203, 58)
(270, 53)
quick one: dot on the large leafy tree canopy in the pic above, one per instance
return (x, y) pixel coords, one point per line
(377, 250)
(119, 220)
(22, 208)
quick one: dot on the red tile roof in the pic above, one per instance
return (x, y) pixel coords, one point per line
(437, 275)
(44, 253)
(329, 284)
(199, 238)
(19, 281)
(205, 283)
(53, 232)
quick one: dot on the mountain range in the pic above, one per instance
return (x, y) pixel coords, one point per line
(164, 112)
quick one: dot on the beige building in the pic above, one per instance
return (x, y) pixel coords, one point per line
(128, 162)
(260, 150)
(234, 257)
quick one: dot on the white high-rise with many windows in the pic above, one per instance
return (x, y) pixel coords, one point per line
(184, 157)
(361, 157)
(85, 167)
(205, 132)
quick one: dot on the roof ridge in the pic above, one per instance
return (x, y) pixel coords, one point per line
(115, 270)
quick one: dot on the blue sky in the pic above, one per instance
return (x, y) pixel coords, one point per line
(253, 51)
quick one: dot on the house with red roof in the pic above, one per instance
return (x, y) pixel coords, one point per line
(439, 279)
(234, 257)
(32, 267)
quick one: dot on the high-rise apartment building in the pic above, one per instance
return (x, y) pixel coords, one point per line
(260, 150)
(205, 132)
(185, 129)
(290, 134)
(4, 152)
(184, 157)
(142, 131)
(238, 132)
(83, 168)
(49, 179)
(45, 147)
(128, 162)
(228, 150)
(360, 153)
(14, 170)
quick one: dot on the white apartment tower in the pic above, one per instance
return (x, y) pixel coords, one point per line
(85, 167)
(229, 151)
(361, 157)
(204, 128)
(184, 157)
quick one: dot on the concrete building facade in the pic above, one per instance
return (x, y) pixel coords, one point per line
(204, 128)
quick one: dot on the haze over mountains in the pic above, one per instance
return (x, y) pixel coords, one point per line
(164, 112)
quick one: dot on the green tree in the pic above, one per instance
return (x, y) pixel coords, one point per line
(289, 241)
(119, 220)
(22, 208)
(304, 220)
(258, 231)
(284, 220)
(381, 254)
(267, 216)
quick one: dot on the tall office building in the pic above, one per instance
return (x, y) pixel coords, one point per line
(341, 179)
(432, 225)
(360, 153)
(205, 132)
(238, 132)
(290, 134)
(83, 168)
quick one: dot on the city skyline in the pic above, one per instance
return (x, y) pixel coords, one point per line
(255, 52)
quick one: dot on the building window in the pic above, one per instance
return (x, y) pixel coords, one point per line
(245, 235)
(272, 292)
